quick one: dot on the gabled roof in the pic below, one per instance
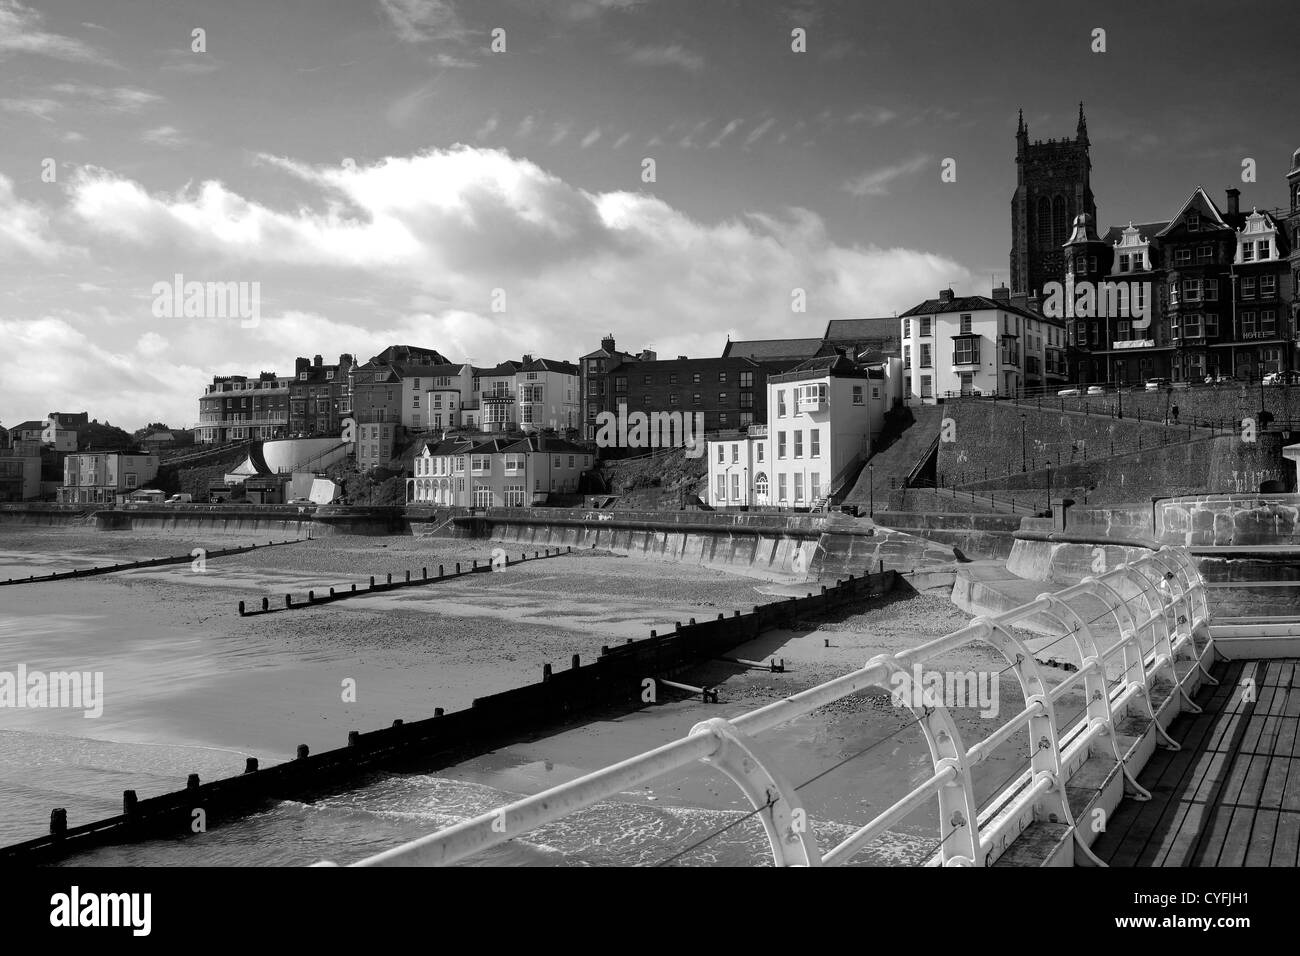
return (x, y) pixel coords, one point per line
(508, 367)
(770, 349)
(853, 329)
(830, 363)
(29, 426)
(550, 365)
(1145, 229)
(973, 303)
(1199, 198)
(428, 369)
(546, 444)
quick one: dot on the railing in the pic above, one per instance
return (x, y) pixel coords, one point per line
(1157, 603)
(1022, 506)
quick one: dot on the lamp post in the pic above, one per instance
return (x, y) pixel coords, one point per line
(871, 490)
(1024, 458)
(1119, 390)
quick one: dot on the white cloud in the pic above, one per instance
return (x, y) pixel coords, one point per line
(116, 99)
(673, 54)
(417, 21)
(168, 137)
(409, 249)
(24, 227)
(726, 131)
(620, 141)
(38, 107)
(757, 132)
(876, 182)
(21, 31)
(590, 138)
(487, 129)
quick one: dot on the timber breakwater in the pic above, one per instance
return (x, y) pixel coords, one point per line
(615, 681)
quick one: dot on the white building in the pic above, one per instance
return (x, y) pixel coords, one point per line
(418, 411)
(976, 345)
(824, 416)
(496, 473)
(547, 392)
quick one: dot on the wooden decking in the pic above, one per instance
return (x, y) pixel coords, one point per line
(1231, 796)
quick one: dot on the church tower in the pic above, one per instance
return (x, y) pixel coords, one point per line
(1053, 186)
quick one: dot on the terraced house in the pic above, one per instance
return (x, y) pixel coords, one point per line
(498, 472)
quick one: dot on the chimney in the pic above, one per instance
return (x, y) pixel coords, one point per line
(345, 361)
(316, 361)
(1234, 201)
(607, 343)
(1002, 294)
(945, 295)
(300, 365)
(681, 358)
(528, 359)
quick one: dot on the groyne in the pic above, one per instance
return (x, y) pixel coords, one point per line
(620, 678)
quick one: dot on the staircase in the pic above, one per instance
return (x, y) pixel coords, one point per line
(899, 459)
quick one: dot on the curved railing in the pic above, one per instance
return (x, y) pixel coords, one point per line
(1158, 606)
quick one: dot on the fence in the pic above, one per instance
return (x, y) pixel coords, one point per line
(1166, 584)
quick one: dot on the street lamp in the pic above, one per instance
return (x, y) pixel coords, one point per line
(871, 490)
(1023, 457)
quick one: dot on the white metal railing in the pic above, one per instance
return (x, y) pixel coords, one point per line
(1157, 604)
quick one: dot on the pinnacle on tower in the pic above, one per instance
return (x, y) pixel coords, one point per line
(1082, 129)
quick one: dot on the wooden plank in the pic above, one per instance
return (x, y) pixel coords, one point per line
(1137, 829)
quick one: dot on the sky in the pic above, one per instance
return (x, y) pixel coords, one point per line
(379, 174)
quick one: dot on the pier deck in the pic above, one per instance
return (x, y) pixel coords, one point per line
(1231, 795)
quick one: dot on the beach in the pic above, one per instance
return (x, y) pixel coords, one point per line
(191, 687)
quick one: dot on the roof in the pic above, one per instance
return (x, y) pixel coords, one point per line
(972, 303)
(1205, 202)
(508, 367)
(852, 329)
(428, 369)
(548, 445)
(829, 363)
(1145, 229)
(29, 426)
(761, 349)
(550, 365)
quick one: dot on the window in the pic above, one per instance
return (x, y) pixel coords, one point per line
(1248, 287)
(925, 386)
(798, 443)
(674, 399)
(1267, 286)
(780, 403)
(1211, 292)
(925, 355)
(926, 325)
(965, 325)
(1247, 324)
(672, 378)
(966, 351)
(695, 398)
(1268, 322)
(780, 488)
(857, 394)
(645, 379)
(907, 328)
(1193, 221)
(1182, 257)
(798, 488)
(620, 384)
(415, 401)
(1211, 325)
(1191, 289)
(815, 485)
(735, 487)
(721, 454)
(780, 444)
(695, 378)
(1264, 250)
(722, 378)
(907, 356)
(760, 485)
(1123, 263)
(735, 454)
(815, 443)
(746, 379)
(1247, 252)
(1204, 252)
(760, 453)
(722, 398)
(721, 492)
(746, 399)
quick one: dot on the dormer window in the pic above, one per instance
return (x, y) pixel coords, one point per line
(302, 376)
(1193, 222)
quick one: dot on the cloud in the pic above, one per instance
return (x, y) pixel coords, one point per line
(590, 138)
(487, 129)
(433, 234)
(758, 131)
(21, 31)
(526, 127)
(871, 116)
(726, 131)
(24, 227)
(674, 55)
(115, 99)
(168, 137)
(418, 21)
(876, 182)
(38, 107)
(618, 143)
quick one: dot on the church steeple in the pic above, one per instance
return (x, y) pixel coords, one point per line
(1022, 133)
(1081, 130)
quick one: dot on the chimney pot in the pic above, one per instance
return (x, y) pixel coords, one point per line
(1234, 200)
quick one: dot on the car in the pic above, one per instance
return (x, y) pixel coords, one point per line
(301, 501)
(1157, 384)
(181, 499)
(1068, 391)
(1096, 390)
(1281, 378)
